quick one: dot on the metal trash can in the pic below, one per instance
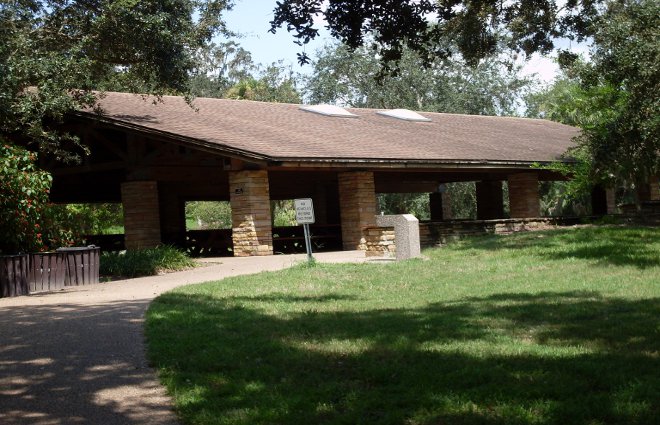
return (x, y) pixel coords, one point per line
(47, 272)
(82, 265)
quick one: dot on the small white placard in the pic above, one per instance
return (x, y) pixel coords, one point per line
(304, 211)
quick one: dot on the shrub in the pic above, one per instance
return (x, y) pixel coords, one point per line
(144, 262)
(23, 199)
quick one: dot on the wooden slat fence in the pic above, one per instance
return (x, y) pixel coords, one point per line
(14, 275)
(48, 271)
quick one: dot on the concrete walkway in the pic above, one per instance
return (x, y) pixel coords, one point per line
(77, 356)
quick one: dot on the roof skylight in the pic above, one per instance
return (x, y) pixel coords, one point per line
(328, 110)
(404, 114)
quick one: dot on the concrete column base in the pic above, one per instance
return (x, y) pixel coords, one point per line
(406, 234)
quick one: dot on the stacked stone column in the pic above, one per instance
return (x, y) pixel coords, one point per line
(141, 214)
(610, 200)
(446, 205)
(357, 203)
(654, 188)
(649, 191)
(524, 199)
(252, 232)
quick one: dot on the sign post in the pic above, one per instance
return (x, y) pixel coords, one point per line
(305, 216)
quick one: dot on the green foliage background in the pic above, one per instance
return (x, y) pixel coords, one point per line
(217, 214)
(208, 215)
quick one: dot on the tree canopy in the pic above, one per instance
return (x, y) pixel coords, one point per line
(350, 77)
(275, 84)
(219, 67)
(226, 70)
(475, 28)
(54, 54)
(624, 74)
(614, 97)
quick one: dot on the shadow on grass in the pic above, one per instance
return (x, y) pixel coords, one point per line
(551, 358)
(615, 245)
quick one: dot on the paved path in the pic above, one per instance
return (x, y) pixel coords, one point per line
(77, 356)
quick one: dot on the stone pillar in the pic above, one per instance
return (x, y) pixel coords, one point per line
(490, 200)
(524, 199)
(357, 204)
(446, 205)
(436, 206)
(610, 199)
(654, 188)
(649, 191)
(141, 214)
(249, 195)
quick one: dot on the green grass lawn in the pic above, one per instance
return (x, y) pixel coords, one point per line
(557, 327)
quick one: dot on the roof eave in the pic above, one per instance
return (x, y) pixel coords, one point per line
(304, 162)
(407, 163)
(191, 141)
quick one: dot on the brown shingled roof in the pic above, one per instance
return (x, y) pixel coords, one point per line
(283, 132)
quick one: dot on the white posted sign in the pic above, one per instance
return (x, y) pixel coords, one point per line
(304, 211)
